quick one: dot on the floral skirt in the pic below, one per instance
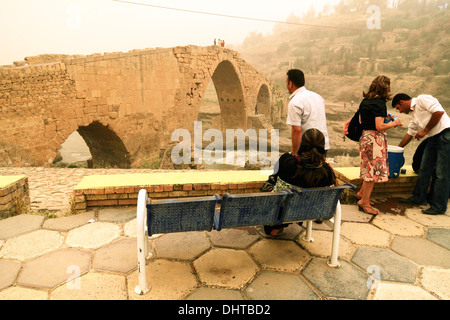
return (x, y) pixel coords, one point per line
(374, 156)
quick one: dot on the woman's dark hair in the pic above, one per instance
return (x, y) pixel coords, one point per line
(312, 157)
(312, 147)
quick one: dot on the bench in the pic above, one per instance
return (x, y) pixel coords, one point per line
(235, 211)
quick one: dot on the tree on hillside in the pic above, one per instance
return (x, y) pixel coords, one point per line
(311, 13)
(422, 6)
(252, 39)
(345, 6)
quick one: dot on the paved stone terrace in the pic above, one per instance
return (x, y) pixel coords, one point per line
(52, 188)
(59, 258)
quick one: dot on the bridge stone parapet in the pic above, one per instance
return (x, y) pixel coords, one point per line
(124, 105)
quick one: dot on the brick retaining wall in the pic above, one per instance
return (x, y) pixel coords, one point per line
(403, 184)
(14, 195)
(122, 190)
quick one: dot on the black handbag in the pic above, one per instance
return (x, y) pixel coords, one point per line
(269, 184)
(354, 129)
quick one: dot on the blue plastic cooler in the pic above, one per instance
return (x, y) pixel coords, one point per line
(396, 160)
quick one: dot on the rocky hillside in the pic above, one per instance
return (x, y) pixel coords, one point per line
(340, 60)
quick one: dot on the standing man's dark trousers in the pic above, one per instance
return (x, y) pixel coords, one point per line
(436, 156)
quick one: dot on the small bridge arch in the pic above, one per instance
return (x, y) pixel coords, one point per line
(263, 101)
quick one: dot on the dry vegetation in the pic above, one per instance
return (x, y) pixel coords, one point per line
(412, 48)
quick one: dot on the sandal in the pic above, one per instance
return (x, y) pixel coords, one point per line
(367, 209)
(359, 198)
(276, 232)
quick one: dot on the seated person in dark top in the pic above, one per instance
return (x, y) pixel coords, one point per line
(308, 169)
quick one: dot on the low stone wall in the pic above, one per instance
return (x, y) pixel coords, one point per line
(122, 190)
(14, 195)
(403, 184)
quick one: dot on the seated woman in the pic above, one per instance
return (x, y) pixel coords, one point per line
(307, 170)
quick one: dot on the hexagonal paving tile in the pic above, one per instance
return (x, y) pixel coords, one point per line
(346, 282)
(119, 214)
(439, 221)
(118, 256)
(183, 245)
(385, 265)
(167, 280)
(92, 286)
(422, 251)
(93, 235)
(394, 291)
(277, 286)
(54, 268)
(31, 245)
(440, 236)
(399, 225)
(291, 232)
(321, 246)
(225, 268)
(351, 213)
(436, 281)
(215, 294)
(239, 238)
(19, 293)
(14, 226)
(129, 228)
(8, 275)
(365, 234)
(280, 255)
(69, 222)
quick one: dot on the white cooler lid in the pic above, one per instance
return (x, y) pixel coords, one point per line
(395, 149)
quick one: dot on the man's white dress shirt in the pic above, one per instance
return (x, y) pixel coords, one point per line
(307, 109)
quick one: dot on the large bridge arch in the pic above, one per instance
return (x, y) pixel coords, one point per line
(125, 104)
(105, 146)
(230, 96)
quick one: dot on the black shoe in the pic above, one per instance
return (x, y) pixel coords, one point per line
(411, 201)
(432, 212)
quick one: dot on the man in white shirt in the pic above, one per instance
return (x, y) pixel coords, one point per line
(306, 109)
(429, 120)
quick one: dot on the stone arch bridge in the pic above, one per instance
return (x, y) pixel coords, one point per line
(122, 104)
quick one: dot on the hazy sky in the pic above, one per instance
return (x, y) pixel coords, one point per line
(32, 27)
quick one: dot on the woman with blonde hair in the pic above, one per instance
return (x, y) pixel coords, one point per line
(373, 142)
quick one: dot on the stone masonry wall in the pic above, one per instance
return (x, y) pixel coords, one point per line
(139, 97)
(35, 102)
